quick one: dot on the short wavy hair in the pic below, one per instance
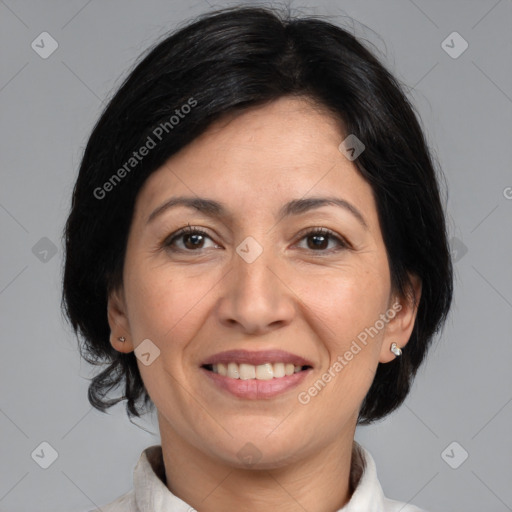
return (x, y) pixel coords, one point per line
(227, 61)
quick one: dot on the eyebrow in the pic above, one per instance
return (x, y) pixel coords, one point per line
(215, 209)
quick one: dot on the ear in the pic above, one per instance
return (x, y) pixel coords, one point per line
(118, 322)
(399, 328)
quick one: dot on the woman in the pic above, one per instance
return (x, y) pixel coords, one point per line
(257, 247)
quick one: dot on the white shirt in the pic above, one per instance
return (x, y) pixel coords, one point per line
(149, 493)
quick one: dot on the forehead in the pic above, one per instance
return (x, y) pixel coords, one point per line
(260, 158)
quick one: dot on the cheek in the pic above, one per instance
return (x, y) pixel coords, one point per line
(165, 305)
(346, 301)
(345, 310)
(356, 354)
(167, 308)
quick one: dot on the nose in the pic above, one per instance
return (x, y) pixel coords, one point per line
(255, 298)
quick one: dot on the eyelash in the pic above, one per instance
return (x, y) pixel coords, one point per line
(191, 230)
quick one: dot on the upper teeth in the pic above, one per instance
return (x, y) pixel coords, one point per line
(265, 371)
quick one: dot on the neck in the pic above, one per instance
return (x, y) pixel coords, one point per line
(322, 482)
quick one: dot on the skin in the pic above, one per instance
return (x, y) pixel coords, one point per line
(295, 296)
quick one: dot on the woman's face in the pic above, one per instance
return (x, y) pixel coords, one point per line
(257, 282)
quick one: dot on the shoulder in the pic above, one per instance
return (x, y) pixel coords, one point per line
(369, 495)
(125, 503)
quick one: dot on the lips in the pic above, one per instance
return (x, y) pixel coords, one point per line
(256, 358)
(256, 374)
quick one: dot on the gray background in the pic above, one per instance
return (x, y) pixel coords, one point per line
(48, 106)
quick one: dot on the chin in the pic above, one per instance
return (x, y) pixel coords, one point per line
(250, 457)
(259, 450)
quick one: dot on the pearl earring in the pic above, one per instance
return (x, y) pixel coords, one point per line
(396, 349)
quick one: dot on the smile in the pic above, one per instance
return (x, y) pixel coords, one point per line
(255, 375)
(245, 371)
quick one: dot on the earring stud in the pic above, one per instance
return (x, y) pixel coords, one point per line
(121, 338)
(396, 349)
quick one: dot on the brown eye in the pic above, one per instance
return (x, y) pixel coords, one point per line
(319, 238)
(192, 238)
